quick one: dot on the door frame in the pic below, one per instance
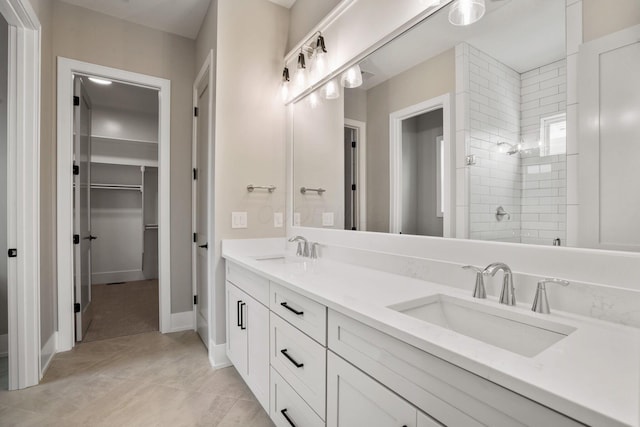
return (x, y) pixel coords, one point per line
(395, 159)
(23, 192)
(206, 73)
(66, 69)
(361, 128)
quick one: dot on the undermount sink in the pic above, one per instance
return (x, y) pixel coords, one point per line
(518, 333)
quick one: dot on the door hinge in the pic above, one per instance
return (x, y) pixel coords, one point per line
(195, 174)
(195, 300)
(76, 170)
(76, 101)
(195, 111)
(12, 253)
(76, 307)
(353, 187)
(353, 144)
(195, 237)
(76, 239)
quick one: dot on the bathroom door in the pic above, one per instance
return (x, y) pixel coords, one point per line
(608, 203)
(201, 210)
(81, 208)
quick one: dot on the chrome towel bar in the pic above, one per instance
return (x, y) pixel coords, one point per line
(269, 188)
(304, 190)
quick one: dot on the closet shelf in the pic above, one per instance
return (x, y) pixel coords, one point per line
(151, 226)
(122, 140)
(130, 187)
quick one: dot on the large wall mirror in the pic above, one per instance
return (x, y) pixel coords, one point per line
(459, 131)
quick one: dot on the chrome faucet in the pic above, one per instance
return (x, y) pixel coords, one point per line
(479, 290)
(540, 302)
(507, 296)
(303, 246)
(314, 250)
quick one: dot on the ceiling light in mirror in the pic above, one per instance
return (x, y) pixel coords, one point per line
(314, 100)
(100, 81)
(331, 90)
(352, 78)
(466, 12)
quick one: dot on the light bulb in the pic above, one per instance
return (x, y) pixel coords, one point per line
(284, 91)
(352, 77)
(314, 100)
(466, 12)
(331, 90)
(318, 64)
(300, 78)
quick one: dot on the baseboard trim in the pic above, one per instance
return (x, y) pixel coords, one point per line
(117, 276)
(181, 321)
(4, 345)
(218, 355)
(47, 353)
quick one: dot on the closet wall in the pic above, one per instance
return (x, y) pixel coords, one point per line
(124, 193)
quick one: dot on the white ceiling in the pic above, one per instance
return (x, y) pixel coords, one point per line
(181, 17)
(123, 96)
(522, 34)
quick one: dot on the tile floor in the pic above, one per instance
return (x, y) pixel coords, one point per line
(140, 380)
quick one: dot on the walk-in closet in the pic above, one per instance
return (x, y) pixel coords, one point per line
(117, 213)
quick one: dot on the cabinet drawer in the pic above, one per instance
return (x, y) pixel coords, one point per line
(287, 408)
(251, 283)
(301, 361)
(303, 313)
(433, 384)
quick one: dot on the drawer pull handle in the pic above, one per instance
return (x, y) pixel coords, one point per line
(297, 313)
(291, 359)
(242, 325)
(284, 414)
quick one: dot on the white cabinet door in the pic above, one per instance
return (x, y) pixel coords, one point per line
(256, 319)
(355, 399)
(237, 350)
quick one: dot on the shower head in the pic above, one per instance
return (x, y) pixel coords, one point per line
(508, 148)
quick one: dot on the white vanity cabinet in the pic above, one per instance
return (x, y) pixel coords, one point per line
(248, 331)
(355, 399)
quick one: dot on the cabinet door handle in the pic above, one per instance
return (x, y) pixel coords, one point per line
(239, 319)
(284, 414)
(242, 325)
(291, 359)
(297, 313)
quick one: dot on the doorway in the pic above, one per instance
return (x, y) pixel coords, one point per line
(420, 166)
(355, 175)
(115, 208)
(118, 211)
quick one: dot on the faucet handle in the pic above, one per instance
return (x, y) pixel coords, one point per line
(479, 290)
(540, 301)
(314, 250)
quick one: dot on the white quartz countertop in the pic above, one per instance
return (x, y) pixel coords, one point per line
(592, 375)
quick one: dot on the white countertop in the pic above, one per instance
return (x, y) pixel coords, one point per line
(592, 375)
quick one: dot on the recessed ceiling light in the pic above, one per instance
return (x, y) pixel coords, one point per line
(100, 81)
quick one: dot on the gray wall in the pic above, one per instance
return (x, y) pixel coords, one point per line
(249, 123)
(304, 15)
(4, 42)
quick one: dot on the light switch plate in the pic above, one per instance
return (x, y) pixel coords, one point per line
(238, 220)
(278, 220)
(327, 219)
(296, 219)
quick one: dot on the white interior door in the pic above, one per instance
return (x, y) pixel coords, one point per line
(609, 146)
(201, 212)
(82, 208)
